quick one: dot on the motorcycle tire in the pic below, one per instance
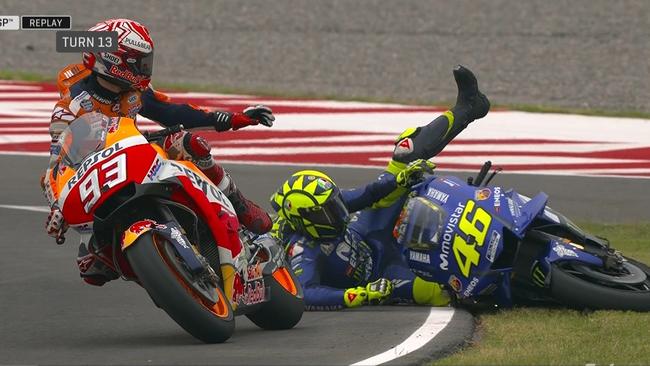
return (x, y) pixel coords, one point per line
(580, 290)
(150, 259)
(284, 309)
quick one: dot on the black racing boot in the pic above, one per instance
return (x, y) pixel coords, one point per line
(92, 270)
(471, 104)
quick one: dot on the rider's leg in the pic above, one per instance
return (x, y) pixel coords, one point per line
(92, 270)
(427, 141)
(187, 146)
(410, 288)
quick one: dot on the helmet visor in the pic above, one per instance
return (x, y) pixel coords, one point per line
(140, 64)
(333, 213)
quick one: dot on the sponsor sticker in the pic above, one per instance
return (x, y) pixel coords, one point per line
(470, 287)
(495, 238)
(176, 235)
(538, 276)
(497, 199)
(254, 272)
(482, 194)
(155, 168)
(137, 43)
(87, 105)
(139, 226)
(324, 184)
(111, 58)
(113, 125)
(455, 283)
(437, 195)
(448, 235)
(420, 257)
(253, 293)
(563, 251)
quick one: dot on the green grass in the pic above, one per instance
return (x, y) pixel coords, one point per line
(25, 76)
(270, 92)
(527, 336)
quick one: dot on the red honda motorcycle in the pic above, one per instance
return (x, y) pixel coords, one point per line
(163, 224)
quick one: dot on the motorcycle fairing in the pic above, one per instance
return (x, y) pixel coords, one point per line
(170, 231)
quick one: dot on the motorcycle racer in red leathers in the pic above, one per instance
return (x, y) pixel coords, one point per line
(118, 84)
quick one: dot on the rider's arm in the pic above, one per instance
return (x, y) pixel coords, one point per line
(306, 264)
(357, 199)
(158, 107)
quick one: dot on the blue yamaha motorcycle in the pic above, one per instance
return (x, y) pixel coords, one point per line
(494, 246)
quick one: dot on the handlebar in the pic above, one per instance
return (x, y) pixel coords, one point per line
(152, 136)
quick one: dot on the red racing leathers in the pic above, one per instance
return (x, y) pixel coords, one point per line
(81, 93)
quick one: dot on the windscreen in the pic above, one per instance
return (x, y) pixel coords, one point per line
(84, 136)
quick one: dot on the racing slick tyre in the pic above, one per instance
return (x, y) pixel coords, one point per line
(286, 305)
(199, 307)
(581, 286)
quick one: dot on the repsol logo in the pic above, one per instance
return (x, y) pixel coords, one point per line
(92, 160)
(212, 192)
(448, 235)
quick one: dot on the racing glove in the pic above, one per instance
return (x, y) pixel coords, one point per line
(55, 225)
(374, 293)
(253, 115)
(414, 172)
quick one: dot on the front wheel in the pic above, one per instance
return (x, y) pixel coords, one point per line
(196, 304)
(286, 305)
(580, 286)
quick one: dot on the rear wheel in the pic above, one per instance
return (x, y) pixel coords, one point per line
(286, 305)
(582, 286)
(196, 303)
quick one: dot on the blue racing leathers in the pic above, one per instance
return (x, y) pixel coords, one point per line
(327, 267)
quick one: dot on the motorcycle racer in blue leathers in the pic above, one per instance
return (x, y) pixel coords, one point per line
(345, 260)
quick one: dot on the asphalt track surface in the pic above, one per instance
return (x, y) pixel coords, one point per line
(47, 316)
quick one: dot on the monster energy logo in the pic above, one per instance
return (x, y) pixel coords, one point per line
(539, 278)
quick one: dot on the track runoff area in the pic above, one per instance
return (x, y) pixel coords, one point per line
(355, 134)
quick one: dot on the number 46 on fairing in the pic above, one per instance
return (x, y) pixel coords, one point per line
(474, 224)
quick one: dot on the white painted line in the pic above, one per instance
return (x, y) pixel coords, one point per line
(437, 320)
(27, 208)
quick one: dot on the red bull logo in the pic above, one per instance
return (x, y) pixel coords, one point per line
(139, 226)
